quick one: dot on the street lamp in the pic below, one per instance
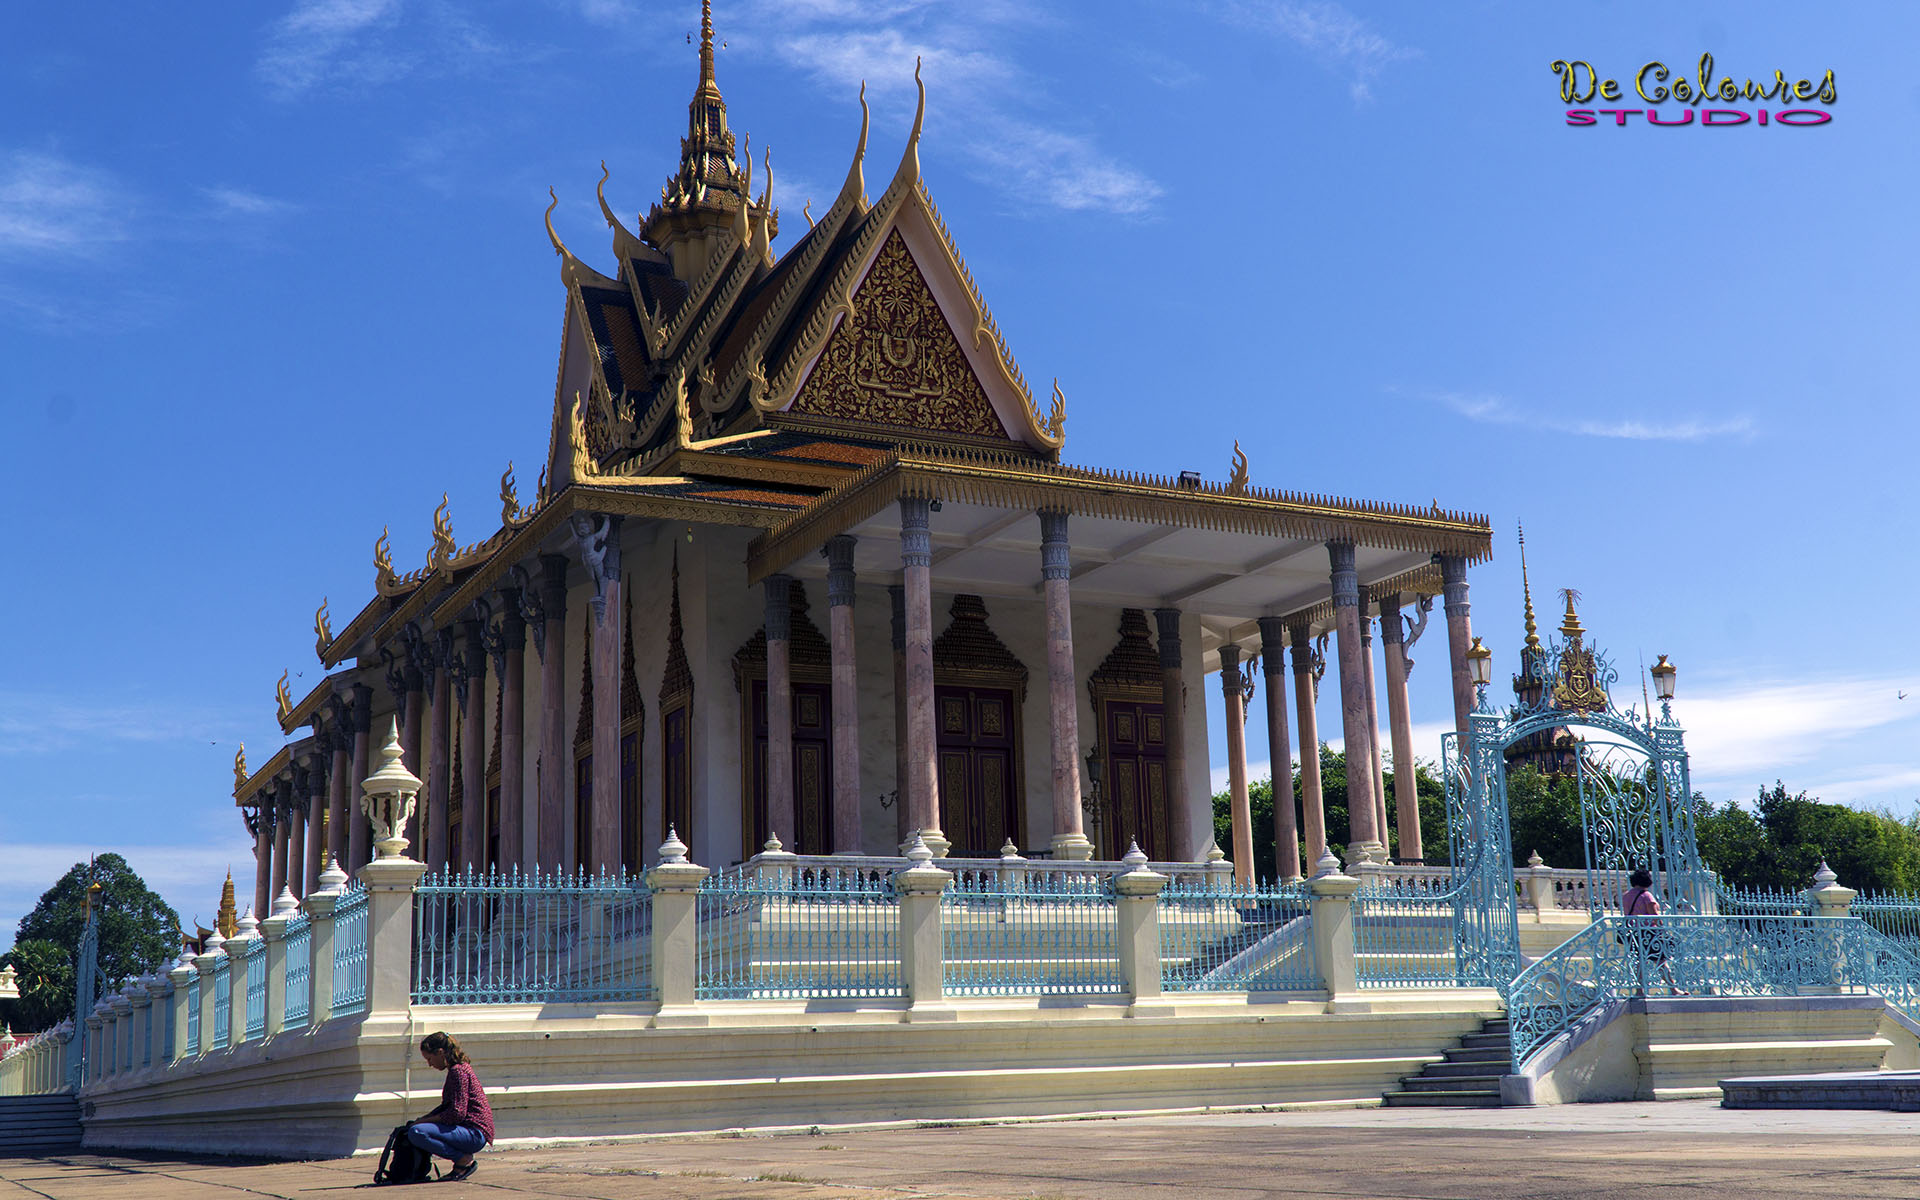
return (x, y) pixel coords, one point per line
(1091, 803)
(1663, 673)
(1480, 670)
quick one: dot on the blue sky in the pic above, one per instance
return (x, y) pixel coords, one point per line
(273, 276)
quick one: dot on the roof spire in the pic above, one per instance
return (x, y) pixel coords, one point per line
(1526, 590)
(1570, 624)
(707, 83)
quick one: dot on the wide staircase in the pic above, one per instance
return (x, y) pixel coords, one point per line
(1469, 1076)
(36, 1125)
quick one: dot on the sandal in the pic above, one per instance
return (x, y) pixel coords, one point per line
(459, 1173)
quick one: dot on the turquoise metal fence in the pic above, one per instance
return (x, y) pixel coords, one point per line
(222, 1002)
(165, 1019)
(350, 952)
(193, 1015)
(1746, 902)
(299, 972)
(255, 960)
(776, 930)
(149, 1017)
(1760, 955)
(1020, 932)
(1228, 938)
(503, 937)
(1404, 933)
(1895, 914)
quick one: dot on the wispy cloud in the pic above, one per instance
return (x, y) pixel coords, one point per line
(1489, 409)
(358, 44)
(1754, 731)
(970, 79)
(231, 201)
(38, 723)
(1340, 42)
(53, 207)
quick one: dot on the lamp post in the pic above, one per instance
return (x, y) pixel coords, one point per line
(1663, 673)
(388, 797)
(1480, 670)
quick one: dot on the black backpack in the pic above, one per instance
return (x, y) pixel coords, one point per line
(402, 1161)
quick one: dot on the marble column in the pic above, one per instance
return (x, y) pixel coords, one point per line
(439, 752)
(1406, 790)
(262, 850)
(551, 815)
(1286, 826)
(1363, 836)
(1373, 720)
(1182, 805)
(1063, 706)
(848, 838)
(470, 692)
(338, 779)
(359, 832)
(282, 828)
(601, 554)
(1313, 805)
(1239, 807)
(897, 598)
(1453, 583)
(314, 843)
(779, 618)
(513, 643)
(923, 783)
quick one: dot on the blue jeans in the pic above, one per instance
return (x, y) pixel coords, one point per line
(446, 1141)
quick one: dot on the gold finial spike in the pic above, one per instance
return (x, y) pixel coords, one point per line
(1057, 413)
(509, 498)
(1570, 623)
(239, 768)
(443, 543)
(382, 559)
(1526, 592)
(282, 698)
(854, 190)
(322, 630)
(706, 47)
(909, 172)
(1237, 483)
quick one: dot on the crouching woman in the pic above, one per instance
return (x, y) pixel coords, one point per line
(464, 1121)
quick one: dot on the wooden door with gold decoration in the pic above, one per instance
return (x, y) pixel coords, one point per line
(976, 746)
(812, 770)
(1135, 805)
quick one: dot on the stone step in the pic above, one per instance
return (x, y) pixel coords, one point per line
(1454, 1069)
(1424, 1082)
(1461, 1099)
(1480, 1054)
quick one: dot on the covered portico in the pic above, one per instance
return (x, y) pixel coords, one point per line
(1228, 572)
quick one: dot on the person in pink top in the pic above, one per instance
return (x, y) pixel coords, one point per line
(1644, 934)
(464, 1121)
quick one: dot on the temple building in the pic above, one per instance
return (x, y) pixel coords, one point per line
(808, 560)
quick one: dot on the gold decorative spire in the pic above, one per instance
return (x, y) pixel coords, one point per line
(283, 699)
(322, 629)
(702, 195)
(227, 920)
(443, 544)
(1570, 623)
(239, 768)
(1237, 484)
(509, 498)
(854, 190)
(382, 561)
(908, 173)
(1057, 414)
(1526, 591)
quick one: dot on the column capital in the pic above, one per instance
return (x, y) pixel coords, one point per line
(1392, 632)
(1055, 551)
(839, 553)
(360, 718)
(779, 591)
(513, 623)
(1168, 621)
(1230, 668)
(1346, 583)
(553, 585)
(916, 531)
(1453, 580)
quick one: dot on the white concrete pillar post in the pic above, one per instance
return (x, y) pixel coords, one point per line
(390, 883)
(160, 995)
(922, 971)
(1829, 898)
(181, 976)
(320, 906)
(206, 964)
(274, 930)
(94, 1069)
(1137, 896)
(1331, 926)
(1540, 885)
(675, 884)
(141, 1045)
(240, 977)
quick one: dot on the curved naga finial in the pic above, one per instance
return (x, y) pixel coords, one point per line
(509, 498)
(766, 168)
(854, 190)
(322, 630)
(1237, 483)
(443, 544)
(806, 210)
(1057, 415)
(746, 178)
(283, 699)
(382, 560)
(621, 233)
(559, 247)
(909, 172)
(239, 768)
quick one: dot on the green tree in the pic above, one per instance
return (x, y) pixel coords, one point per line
(1543, 816)
(45, 972)
(1333, 789)
(138, 931)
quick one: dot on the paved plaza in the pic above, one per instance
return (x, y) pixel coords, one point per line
(1691, 1149)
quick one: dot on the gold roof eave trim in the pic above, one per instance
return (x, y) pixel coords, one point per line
(1000, 480)
(245, 793)
(309, 707)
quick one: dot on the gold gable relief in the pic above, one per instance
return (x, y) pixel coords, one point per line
(895, 361)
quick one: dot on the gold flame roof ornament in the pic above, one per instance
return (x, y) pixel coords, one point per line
(384, 576)
(1057, 414)
(510, 511)
(1237, 483)
(283, 699)
(580, 457)
(441, 556)
(239, 768)
(322, 630)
